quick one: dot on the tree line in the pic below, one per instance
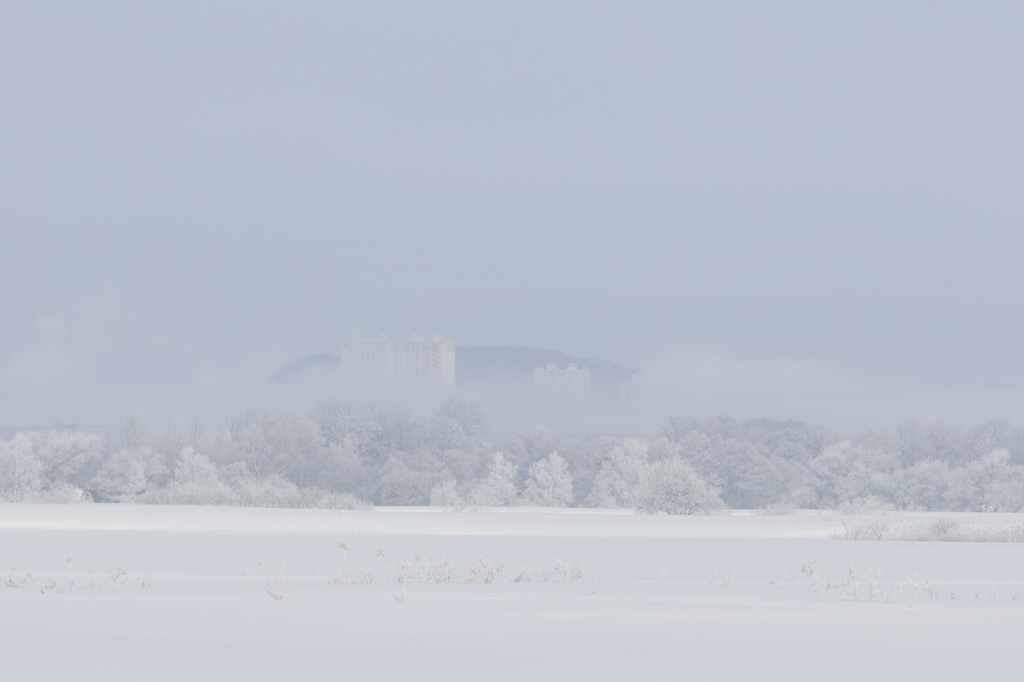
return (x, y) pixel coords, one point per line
(348, 455)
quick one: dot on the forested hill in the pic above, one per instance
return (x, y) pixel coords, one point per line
(488, 364)
(481, 365)
(321, 362)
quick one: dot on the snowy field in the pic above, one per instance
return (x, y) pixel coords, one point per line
(127, 592)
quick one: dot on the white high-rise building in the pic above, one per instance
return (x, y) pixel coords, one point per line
(367, 356)
(416, 360)
(573, 380)
(429, 362)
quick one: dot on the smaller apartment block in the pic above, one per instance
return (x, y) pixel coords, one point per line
(572, 380)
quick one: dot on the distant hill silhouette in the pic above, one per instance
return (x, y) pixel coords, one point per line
(491, 364)
(482, 365)
(323, 360)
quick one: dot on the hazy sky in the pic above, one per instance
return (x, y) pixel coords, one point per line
(197, 190)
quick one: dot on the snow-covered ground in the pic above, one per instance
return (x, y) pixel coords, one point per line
(126, 592)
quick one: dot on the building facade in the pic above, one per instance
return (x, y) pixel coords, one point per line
(628, 389)
(422, 361)
(368, 357)
(573, 380)
(417, 360)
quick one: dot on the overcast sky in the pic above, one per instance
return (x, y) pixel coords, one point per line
(196, 193)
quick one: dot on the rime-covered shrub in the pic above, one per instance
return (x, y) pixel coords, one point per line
(267, 491)
(61, 493)
(315, 498)
(445, 494)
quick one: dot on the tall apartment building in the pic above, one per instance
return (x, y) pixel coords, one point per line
(572, 380)
(430, 362)
(368, 357)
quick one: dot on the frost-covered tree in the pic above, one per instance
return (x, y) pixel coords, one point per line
(450, 449)
(623, 478)
(19, 469)
(133, 431)
(549, 482)
(272, 442)
(346, 472)
(342, 422)
(926, 484)
(197, 481)
(585, 460)
(990, 483)
(840, 474)
(129, 474)
(525, 448)
(399, 485)
(499, 488)
(674, 487)
(668, 485)
(698, 449)
(68, 457)
(468, 415)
